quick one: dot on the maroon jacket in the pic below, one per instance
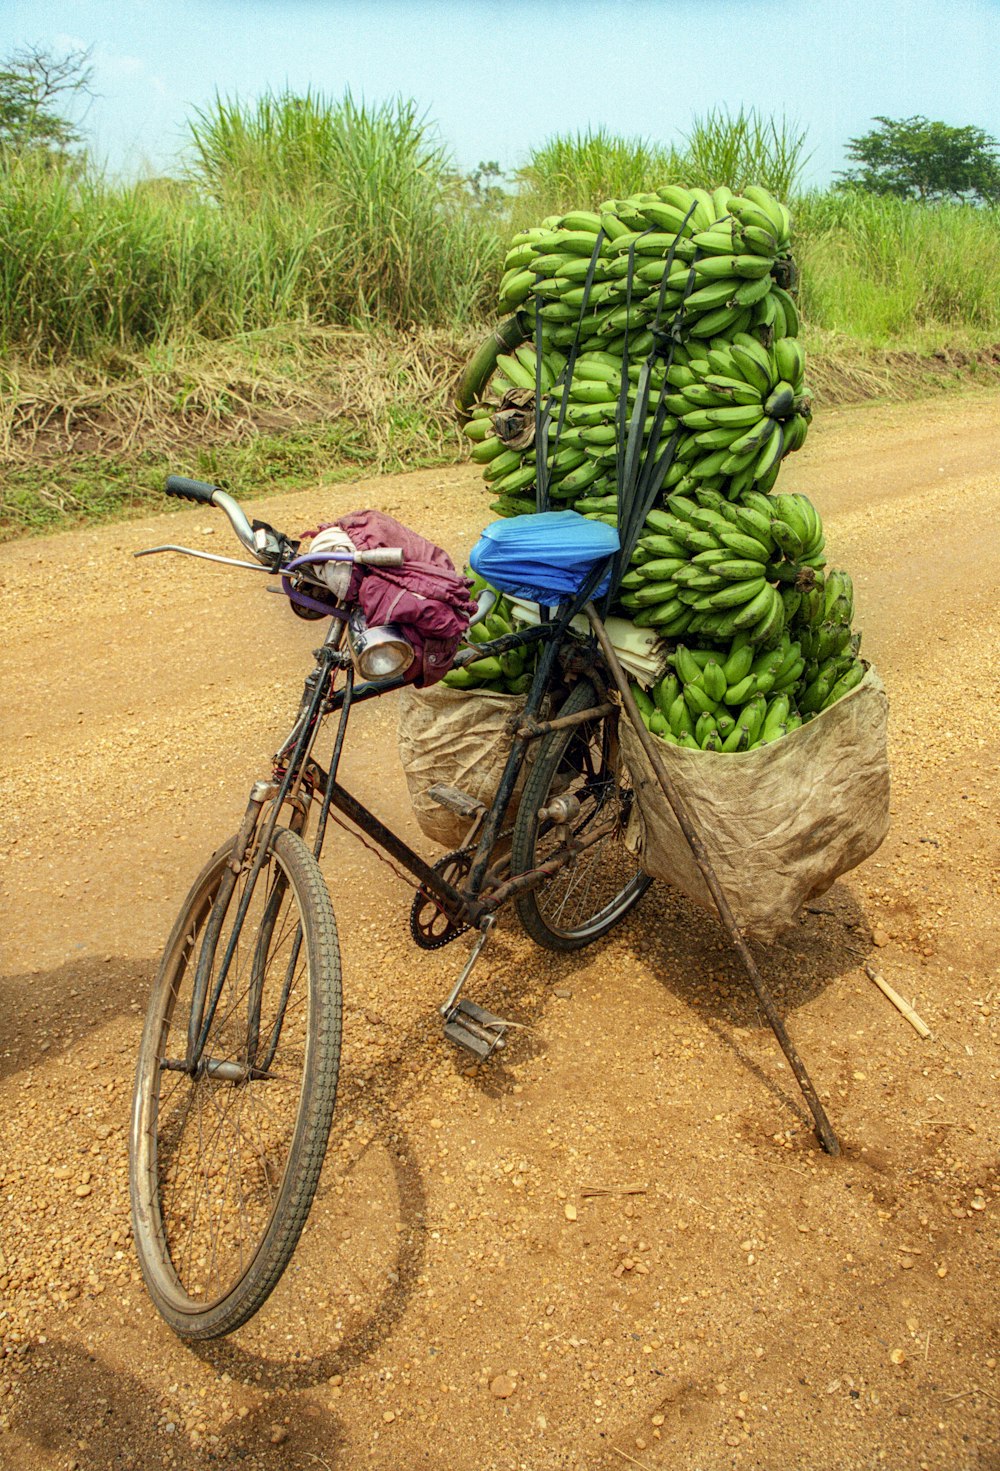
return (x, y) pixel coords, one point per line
(426, 595)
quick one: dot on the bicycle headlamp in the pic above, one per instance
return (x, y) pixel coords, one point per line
(378, 653)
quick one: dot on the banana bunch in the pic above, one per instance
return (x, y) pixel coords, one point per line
(737, 696)
(508, 674)
(715, 567)
(741, 698)
(715, 254)
(725, 701)
(581, 468)
(830, 649)
(745, 406)
(510, 473)
(716, 268)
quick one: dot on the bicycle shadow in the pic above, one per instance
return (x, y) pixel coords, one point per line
(375, 1325)
(375, 1102)
(70, 1403)
(47, 1014)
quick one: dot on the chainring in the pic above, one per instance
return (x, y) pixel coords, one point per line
(430, 926)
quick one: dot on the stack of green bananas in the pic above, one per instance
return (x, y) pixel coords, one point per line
(720, 702)
(830, 649)
(735, 394)
(738, 697)
(716, 251)
(715, 567)
(723, 563)
(744, 407)
(585, 454)
(508, 674)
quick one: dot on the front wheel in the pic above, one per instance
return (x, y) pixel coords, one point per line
(225, 1160)
(589, 895)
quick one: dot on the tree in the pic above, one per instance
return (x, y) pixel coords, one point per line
(917, 159)
(485, 185)
(35, 87)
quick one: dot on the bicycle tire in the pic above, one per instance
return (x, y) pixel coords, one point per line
(600, 887)
(258, 1141)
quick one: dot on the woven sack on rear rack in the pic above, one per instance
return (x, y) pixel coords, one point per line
(779, 824)
(454, 738)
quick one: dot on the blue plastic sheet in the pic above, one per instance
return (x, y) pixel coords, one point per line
(545, 557)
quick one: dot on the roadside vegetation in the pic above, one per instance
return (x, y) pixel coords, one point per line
(298, 303)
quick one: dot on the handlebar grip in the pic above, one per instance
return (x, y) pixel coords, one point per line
(381, 557)
(190, 490)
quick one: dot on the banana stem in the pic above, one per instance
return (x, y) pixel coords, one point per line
(508, 335)
(823, 1130)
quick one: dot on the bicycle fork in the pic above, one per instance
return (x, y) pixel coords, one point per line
(203, 1007)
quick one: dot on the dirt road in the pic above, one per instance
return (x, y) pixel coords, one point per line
(753, 1303)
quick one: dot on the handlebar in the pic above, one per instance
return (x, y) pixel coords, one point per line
(267, 546)
(257, 543)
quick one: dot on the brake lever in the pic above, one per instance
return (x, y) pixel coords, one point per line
(207, 557)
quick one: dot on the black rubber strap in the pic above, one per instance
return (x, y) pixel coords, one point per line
(542, 419)
(642, 467)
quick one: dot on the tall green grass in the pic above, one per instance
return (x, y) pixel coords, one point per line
(299, 211)
(304, 212)
(392, 241)
(890, 271)
(581, 170)
(744, 148)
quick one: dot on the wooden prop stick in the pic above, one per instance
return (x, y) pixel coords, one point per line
(823, 1130)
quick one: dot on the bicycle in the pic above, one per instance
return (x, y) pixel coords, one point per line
(237, 1075)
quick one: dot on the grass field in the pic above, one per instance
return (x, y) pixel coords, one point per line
(300, 301)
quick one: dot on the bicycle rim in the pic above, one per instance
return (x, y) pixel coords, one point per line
(224, 1165)
(587, 897)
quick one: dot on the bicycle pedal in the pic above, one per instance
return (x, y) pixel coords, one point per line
(477, 1030)
(455, 801)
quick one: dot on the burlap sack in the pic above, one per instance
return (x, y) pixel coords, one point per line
(779, 824)
(458, 738)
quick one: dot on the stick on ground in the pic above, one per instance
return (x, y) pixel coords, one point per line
(915, 1021)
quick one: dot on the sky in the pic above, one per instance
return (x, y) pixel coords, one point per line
(499, 78)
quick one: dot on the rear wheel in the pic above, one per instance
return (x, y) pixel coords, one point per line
(594, 890)
(225, 1163)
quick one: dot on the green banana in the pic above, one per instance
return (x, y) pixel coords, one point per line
(770, 455)
(845, 684)
(665, 693)
(698, 700)
(714, 680)
(758, 607)
(502, 464)
(644, 704)
(679, 717)
(735, 594)
(790, 361)
(738, 738)
(744, 546)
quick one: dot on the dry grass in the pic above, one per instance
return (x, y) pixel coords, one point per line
(841, 370)
(283, 379)
(92, 441)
